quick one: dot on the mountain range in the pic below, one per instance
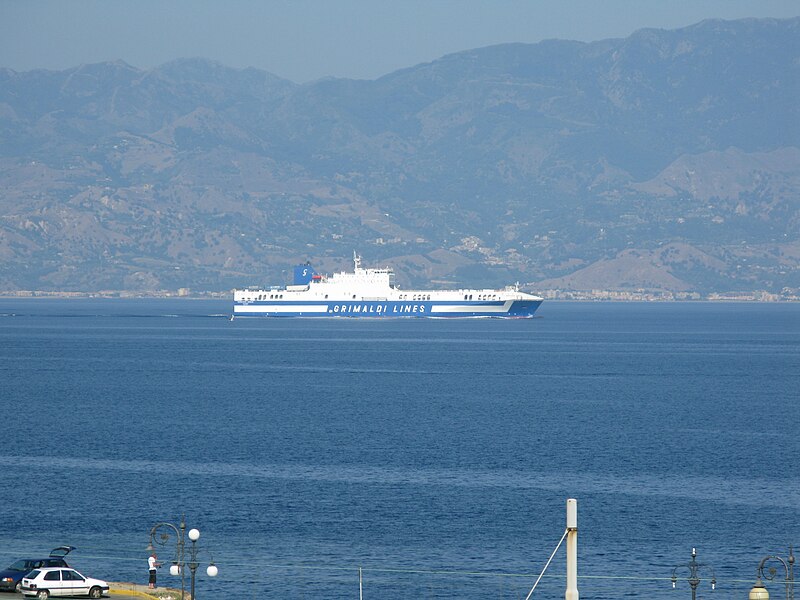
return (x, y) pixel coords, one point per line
(665, 161)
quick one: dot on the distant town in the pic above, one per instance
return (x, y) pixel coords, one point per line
(786, 295)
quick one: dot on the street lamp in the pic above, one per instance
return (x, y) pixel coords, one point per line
(162, 533)
(211, 571)
(694, 574)
(759, 592)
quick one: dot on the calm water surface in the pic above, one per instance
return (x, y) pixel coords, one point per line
(437, 455)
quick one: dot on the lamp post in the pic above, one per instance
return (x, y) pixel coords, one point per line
(694, 574)
(211, 571)
(759, 592)
(162, 533)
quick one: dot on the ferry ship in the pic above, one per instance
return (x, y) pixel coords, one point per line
(372, 293)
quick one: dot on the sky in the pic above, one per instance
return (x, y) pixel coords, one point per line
(304, 40)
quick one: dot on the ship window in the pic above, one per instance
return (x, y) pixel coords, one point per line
(466, 297)
(326, 296)
(354, 296)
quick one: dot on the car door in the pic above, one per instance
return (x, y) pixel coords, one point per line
(53, 583)
(74, 582)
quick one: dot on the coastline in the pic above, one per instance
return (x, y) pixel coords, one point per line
(558, 295)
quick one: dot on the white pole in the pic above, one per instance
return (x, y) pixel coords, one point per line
(572, 550)
(360, 585)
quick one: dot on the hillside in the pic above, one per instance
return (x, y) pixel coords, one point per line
(668, 160)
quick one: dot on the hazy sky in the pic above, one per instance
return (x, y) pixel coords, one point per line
(304, 40)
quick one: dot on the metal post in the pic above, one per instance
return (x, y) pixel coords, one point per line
(181, 545)
(193, 564)
(572, 550)
(694, 574)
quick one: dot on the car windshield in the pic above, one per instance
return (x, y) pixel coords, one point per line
(21, 565)
(33, 575)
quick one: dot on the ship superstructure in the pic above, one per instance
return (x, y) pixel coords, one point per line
(373, 293)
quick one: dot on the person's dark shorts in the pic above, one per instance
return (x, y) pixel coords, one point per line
(153, 576)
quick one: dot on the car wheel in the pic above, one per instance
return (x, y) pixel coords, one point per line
(95, 592)
(43, 595)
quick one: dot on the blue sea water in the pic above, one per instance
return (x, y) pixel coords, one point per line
(435, 455)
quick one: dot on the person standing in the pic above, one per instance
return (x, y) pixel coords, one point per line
(152, 566)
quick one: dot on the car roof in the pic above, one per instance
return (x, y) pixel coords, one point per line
(48, 569)
(42, 559)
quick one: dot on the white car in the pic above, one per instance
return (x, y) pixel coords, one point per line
(60, 582)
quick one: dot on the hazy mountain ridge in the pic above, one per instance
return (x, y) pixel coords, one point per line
(560, 163)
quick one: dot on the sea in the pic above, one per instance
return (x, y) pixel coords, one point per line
(417, 458)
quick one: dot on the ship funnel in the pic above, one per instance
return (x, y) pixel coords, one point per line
(303, 274)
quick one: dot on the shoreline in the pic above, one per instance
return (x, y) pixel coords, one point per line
(758, 296)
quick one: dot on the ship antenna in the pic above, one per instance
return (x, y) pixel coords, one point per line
(356, 260)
